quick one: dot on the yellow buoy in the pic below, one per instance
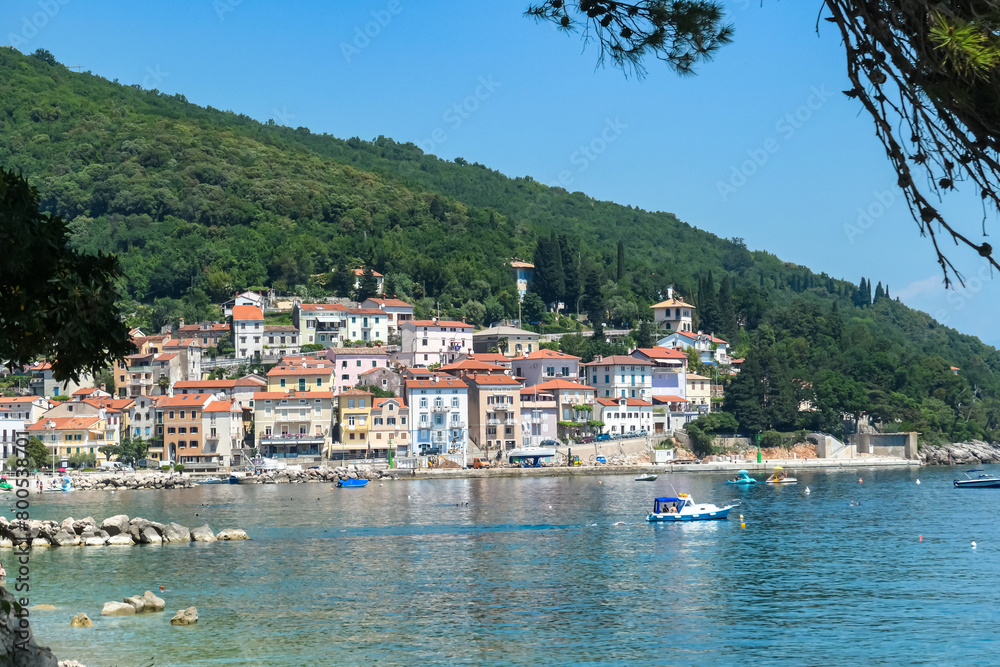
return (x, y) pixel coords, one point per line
(743, 525)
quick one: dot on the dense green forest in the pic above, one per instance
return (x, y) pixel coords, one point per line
(199, 202)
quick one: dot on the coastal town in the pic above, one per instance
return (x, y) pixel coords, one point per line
(361, 382)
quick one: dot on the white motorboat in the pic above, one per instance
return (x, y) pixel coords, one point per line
(684, 508)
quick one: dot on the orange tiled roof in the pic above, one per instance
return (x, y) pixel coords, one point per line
(66, 423)
(247, 313)
(564, 384)
(439, 323)
(492, 379)
(379, 401)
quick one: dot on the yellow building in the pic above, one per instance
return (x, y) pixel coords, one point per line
(309, 376)
(293, 424)
(66, 436)
(354, 408)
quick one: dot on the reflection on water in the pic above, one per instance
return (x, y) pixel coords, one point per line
(535, 571)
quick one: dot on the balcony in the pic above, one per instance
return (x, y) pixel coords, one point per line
(536, 420)
(492, 422)
(439, 407)
(510, 422)
(456, 425)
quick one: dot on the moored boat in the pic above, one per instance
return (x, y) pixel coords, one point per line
(780, 476)
(646, 478)
(352, 483)
(212, 480)
(742, 477)
(684, 508)
(985, 481)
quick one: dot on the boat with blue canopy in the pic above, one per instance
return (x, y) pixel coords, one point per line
(684, 508)
(352, 483)
(742, 477)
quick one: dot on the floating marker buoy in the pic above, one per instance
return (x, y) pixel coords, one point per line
(973, 544)
(600, 482)
(741, 517)
(918, 481)
(743, 525)
(807, 490)
(921, 538)
(859, 480)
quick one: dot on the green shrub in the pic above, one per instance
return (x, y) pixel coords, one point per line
(773, 439)
(164, 468)
(179, 467)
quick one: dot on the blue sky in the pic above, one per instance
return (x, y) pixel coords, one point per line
(480, 81)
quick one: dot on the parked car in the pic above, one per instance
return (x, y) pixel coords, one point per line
(549, 443)
(587, 439)
(430, 451)
(602, 437)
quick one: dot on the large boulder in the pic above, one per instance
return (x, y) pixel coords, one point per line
(81, 524)
(202, 534)
(66, 538)
(153, 603)
(174, 532)
(81, 620)
(122, 540)
(136, 526)
(150, 536)
(67, 525)
(232, 534)
(25, 653)
(187, 616)
(136, 601)
(117, 609)
(95, 541)
(115, 525)
(40, 542)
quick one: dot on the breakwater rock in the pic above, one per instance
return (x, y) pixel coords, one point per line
(320, 475)
(118, 530)
(134, 481)
(960, 453)
(13, 647)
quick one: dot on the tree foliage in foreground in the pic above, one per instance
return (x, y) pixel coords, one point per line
(55, 302)
(927, 72)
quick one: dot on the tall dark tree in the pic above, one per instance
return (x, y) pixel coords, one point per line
(571, 274)
(367, 285)
(593, 295)
(708, 310)
(54, 301)
(644, 335)
(621, 261)
(547, 281)
(341, 281)
(745, 395)
(879, 293)
(727, 326)
(389, 286)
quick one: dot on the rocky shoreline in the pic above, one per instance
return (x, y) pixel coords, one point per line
(117, 530)
(160, 480)
(960, 453)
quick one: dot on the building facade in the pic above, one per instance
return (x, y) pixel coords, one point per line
(620, 376)
(429, 342)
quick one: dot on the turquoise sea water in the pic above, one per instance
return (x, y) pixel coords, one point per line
(534, 572)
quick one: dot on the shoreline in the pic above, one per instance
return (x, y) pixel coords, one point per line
(660, 468)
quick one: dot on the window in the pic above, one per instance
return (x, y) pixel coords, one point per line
(302, 384)
(194, 443)
(282, 382)
(390, 421)
(194, 429)
(194, 414)
(377, 421)
(319, 382)
(343, 364)
(182, 444)
(182, 429)
(171, 430)
(171, 414)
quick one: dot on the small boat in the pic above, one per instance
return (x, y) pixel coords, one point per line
(780, 477)
(352, 483)
(985, 481)
(646, 478)
(684, 508)
(213, 480)
(5, 485)
(742, 477)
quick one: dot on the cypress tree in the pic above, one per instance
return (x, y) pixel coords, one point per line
(571, 274)
(728, 328)
(367, 285)
(868, 293)
(707, 305)
(879, 293)
(558, 289)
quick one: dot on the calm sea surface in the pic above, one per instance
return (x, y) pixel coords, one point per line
(534, 571)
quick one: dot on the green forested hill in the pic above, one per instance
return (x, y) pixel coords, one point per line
(199, 202)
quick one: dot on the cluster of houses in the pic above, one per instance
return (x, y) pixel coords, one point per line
(440, 389)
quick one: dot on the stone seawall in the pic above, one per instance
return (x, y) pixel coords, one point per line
(117, 530)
